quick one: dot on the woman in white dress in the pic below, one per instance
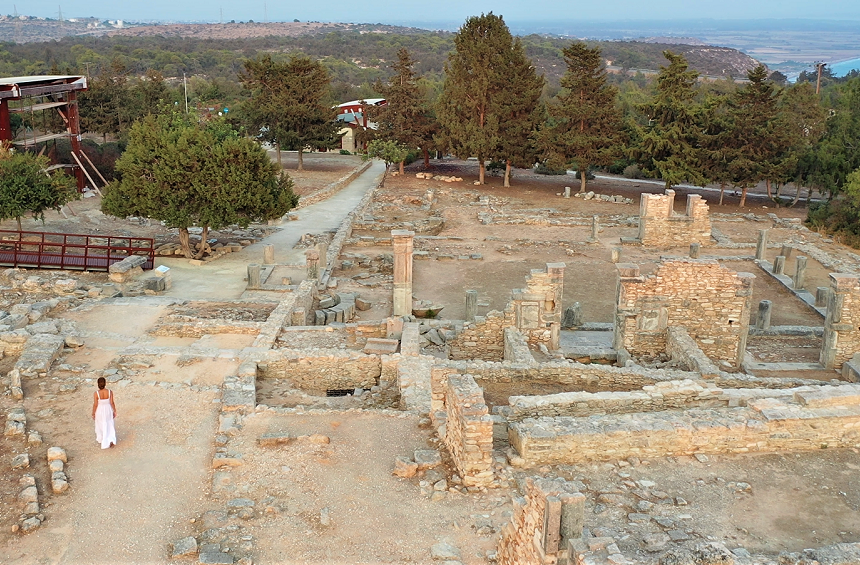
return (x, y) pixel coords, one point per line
(104, 412)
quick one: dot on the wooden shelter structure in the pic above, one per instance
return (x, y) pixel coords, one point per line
(31, 94)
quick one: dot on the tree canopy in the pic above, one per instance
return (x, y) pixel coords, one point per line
(481, 91)
(188, 174)
(406, 117)
(585, 126)
(287, 105)
(26, 188)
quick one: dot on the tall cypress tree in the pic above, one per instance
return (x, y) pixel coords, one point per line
(585, 126)
(475, 73)
(670, 143)
(520, 112)
(404, 118)
(754, 139)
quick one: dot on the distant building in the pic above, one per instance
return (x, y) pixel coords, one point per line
(353, 118)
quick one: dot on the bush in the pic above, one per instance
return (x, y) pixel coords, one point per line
(588, 176)
(632, 172)
(543, 169)
(345, 152)
(495, 167)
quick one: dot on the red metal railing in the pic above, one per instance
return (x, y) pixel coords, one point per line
(40, 250)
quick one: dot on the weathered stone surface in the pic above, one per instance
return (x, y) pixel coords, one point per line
(57, 453)
(184, 547)
(56, 465)
(21, 461)
(29, 494)
(59, 486)
(30, 524)
(274, 439)
(404, 467)
(216, 558)
(381, 346)
(444, 551)
(427, 458)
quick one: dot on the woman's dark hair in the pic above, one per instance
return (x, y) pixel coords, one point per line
(101, 382)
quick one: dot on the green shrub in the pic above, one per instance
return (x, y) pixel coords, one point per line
(632, 172)
(495, 167)
(543, 169)
(345, 152)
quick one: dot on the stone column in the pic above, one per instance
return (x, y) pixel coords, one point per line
(694, 250)
(779, 264)
(746, 291)
(567, 192)
(553, 310)
(786, 251)
(762, 321)
(312, 261)
(471, 305)
(253, 275)
(616, 254)
(800, 273)
(322, 248)
(761, 246)
(821, 294)
(595, 228)
(269, 255)
(402, 242)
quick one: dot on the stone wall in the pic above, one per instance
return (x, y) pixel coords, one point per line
(469, 431)
(517, 348)
(200, 327)
(660, 226)
(333, 188)
(483, 338)
(322, 369)
(710, 301)
(672, 395)
(682, 348)
(842, 323)
(535, 311)
(544, 519)
(827, 417)
(537, 307)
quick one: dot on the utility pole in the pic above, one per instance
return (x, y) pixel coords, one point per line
(185, 83)
(820, 66)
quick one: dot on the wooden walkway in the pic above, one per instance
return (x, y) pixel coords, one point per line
(40, 250)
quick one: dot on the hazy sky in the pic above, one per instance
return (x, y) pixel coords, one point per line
(372, 11)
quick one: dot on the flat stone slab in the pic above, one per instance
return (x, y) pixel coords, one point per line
(381, 346)
(218, 558)
(274, 439)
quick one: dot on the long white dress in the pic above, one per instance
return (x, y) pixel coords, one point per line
(105, 431)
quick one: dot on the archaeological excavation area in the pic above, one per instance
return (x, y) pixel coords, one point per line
(447, 373)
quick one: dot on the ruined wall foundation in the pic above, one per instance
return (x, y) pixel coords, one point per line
(660, 226)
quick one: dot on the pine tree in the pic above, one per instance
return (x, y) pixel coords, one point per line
(520, 112)
(670, 145)
(404, 118)
(802, 118)
(838, 153)
(105, 107)
(475, 73)
(188, 174)
(754, 139)
(585, 126)
(287, 105)
(25, 187)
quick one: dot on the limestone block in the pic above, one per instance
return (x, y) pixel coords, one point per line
(21, 461)
(57, 453)
(427, 458)
(184, 547)
(404, 467)
(29, 494)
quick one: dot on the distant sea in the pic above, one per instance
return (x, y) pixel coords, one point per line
(843, 68)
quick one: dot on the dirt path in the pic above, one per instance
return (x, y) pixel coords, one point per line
(127, 502)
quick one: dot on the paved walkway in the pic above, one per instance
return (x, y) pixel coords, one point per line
(224, 278)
